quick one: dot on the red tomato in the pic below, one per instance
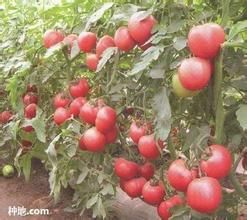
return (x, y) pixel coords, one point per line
(60, 100)
(79, 88)
(178, 175)
(81, 144)
(106, 119)
(88, 113)
(136, 132)
(147, 170)
(28, 128)
(244, 161)
(123, 40)
(140, 28)
(153, 194)
(5, 117)
(52, 37)
(30, 111)
(219, 163)
(61, 115)
(204, 194)
(76, 105)
(133, 187)
(69, 40)
(92, 61)
(147, 147)
(111, 136)
(30, 98)
(125, 169)
(104, 43)
(204, 40)
(93, 140)
(194, 73)
(32, 88)
(87, 41)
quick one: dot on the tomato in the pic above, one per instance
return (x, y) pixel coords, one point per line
(194, 73)
(153, 194)
(125, 169)
(26, 145)
(219, 163)
(76, 105)
(244, 161)
(136, 132)
(147, 147)
(104, 43)
(30, 98)
(165, 206)
(88, 113)
(204, 40)
(195, 172)
(32, 88)
(52, 37)
(5, 117)
(81, 144)
(147, 170)
(106, 119)
(178, 88)
(61, 115)
(28, 128)
(8, 170)
(92, 61)
(140, 28)
(204, 194)
(133, 187)
(60, 100)
(111, 136)
(178, 175)
(79, 88)
(87, 41)
(93, 140)
(69, 40)
(123, 40)
(30, 111)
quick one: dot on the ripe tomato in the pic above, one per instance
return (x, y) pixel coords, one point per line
(153, 194)
(28, 128)
(136, 132)
(104, 43)
(79, 88)
(76, 105)
(123, 40)
(61, 115)
(147, 170)
(165, 206)
(88, 113)
(52, 37)
(93, 140)
(178, 175)
(133, 187)
(26, 145)
(30, 111)
(81, 144)
(219, 163)
(140, 28)
(30, 98)
(178, 88)
(125, 169)
(244, 161)
(32, 88)
(204, 40)
(147, 147)
(69, 40)
(92, 61)
(5, 117)
(87, 41)
(194, 73)
(111, 136)
(204, 194)
(106, 119)
(60, 100)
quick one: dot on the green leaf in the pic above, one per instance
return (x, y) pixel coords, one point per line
(99, 209)
(92, 201)
(51, 151)
(241, 116)
(157, 72)
(38, 123)
(179, 43)
(237, 28)
(108, 189)
(107, 54)
(83, 175)
(162, 108)
(75, 50)
(25, 164)
(54, 49)
(124, 12)
(175, 26)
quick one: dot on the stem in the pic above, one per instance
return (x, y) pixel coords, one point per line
(68, 61)
(114, 71)
(218, 100)
(171, 149)
(225, 11)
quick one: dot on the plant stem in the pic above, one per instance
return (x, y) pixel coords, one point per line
(171, 149)
(114, 71)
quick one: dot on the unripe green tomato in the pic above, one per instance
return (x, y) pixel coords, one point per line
(8, 170)
(178, 88)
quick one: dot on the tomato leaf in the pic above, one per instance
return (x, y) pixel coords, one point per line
(83, 175)
(237, 28)
(38, 123)
(179, 43)
(92, 201)
(241, 116)
(25, 165)
(54, 49)
(108, 189)
(107, 54)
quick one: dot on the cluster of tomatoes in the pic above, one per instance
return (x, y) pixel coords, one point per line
(99, 118)
(194, 73)
(126, 38)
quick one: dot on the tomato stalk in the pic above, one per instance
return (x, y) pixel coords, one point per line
(68, 61)
(114, 71)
